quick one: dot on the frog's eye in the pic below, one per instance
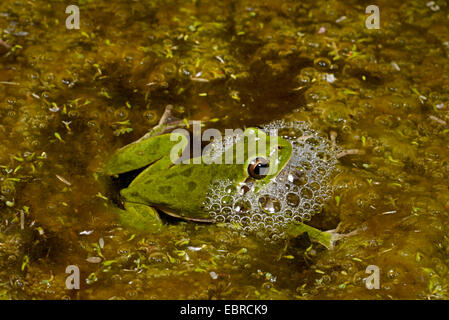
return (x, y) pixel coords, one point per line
(258, 168)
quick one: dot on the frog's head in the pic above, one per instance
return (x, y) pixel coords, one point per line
(264, 156)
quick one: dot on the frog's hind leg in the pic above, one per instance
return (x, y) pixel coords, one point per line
(139, 217)
(322, 237)
(138, 155)
(336, 236)
(326, 238)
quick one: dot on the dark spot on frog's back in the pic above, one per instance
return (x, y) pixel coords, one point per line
(164, 189)
(187, 172)
(191, 185)
(134, 194)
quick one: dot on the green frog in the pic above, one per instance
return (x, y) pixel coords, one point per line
(179, 187)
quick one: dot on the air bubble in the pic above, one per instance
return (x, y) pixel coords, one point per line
(245, 221)
(313, 141)
(268, 221)
(230, 189)
(207, 202)
(298, 177)
(319, 200)
(306, 193)
(315, 186)
(269, 204)
(306, 166)
(227, 200)
(307, 216)
(226, 211)
(280, 219)
(242, 207)
(321, 171)
(288, 213)
(292, 199)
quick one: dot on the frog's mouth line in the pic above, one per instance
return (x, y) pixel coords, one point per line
(177, 216)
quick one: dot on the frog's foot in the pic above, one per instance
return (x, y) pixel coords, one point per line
(166, 124)
(166, 115)
(333, 136)
(139, 217)
(348, 152)
(326, 238)
(343, 153)
(4, 45)
(335, 236)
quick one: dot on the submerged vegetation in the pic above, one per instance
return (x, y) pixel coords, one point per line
(70, 98)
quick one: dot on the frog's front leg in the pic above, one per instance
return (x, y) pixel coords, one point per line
(139, 217)
(343, 153)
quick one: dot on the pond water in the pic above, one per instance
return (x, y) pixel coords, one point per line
(70, 98)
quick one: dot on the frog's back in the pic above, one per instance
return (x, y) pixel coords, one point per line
(179, 190)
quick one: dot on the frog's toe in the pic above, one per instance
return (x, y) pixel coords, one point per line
(140, 217)
(335, 236)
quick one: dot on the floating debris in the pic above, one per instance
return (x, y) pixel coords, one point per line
(94, 259)
(440, 121)
(62, 179)
(395, 66)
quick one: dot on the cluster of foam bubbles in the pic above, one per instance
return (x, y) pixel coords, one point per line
(299, 191)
